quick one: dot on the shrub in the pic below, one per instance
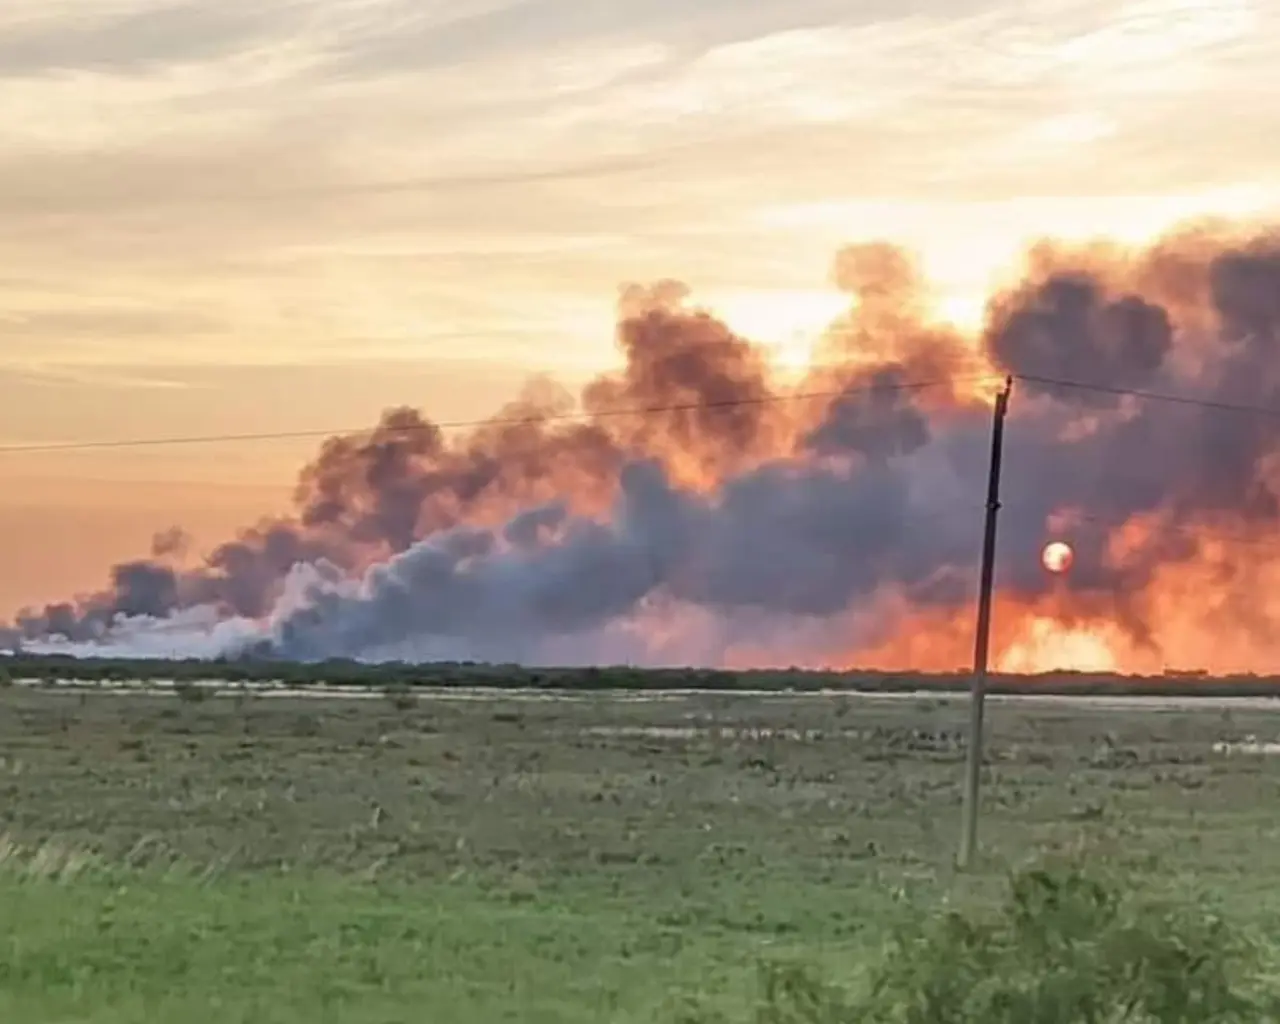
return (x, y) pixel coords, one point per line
(1063, 948)
(190, 693)
(400, 696)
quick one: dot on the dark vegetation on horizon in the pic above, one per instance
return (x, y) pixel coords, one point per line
(22, 666)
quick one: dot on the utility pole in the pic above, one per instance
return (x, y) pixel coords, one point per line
(982, 642)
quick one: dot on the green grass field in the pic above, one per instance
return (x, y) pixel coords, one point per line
(606, 858)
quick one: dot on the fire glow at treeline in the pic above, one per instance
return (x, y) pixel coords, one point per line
(747, 520)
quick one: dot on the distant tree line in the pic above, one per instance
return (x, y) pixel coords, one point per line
(20, 667)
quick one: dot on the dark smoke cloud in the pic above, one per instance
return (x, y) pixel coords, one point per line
(729, 498)
(1245, 296)
(365, 498)
(374, 489)
(709, 388)
(874, 416)
(1190, 467)
(804, 540)
(243, 576)
(171, 542)
(530, 528)
(142, 588)
(1068, 327)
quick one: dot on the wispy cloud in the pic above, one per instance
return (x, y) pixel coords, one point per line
(300, 171)
(131, 39)
(90, 377)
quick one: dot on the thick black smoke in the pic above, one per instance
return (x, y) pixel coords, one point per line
(1194, 469)
(726, 496)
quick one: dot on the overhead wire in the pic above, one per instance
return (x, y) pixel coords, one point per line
(1154, 396)
(1199, 532)
(587, 416)
(503, 421)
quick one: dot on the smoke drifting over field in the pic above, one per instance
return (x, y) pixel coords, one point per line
(831, 521)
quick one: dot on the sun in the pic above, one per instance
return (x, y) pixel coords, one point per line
(1057, 556)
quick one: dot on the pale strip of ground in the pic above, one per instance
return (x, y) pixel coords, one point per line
(322, 691)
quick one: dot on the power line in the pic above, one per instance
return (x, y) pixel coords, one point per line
(1155, 396)
(497, 421)
(586, 417)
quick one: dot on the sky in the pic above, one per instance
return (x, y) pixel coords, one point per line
(236, 216)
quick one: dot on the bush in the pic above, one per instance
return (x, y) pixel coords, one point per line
(1063, 948)
(190, 693)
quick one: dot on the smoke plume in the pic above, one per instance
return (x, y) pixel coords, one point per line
(699, 508)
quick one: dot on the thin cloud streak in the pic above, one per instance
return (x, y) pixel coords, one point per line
(269, 170)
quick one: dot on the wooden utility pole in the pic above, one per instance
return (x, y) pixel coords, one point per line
(982, 641)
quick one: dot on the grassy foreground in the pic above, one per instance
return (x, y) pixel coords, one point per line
(610, 859)
(1062, 948)
(117, 947)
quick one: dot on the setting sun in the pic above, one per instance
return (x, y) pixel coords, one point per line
(1057, 556)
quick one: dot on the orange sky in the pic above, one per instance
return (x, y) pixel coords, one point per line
(288, 214)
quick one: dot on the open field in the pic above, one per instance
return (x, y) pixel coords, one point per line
(599, 859)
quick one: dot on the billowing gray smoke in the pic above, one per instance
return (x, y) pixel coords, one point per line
(801, 539)
(724, 496)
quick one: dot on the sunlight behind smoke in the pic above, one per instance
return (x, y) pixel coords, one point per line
(722, 504)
